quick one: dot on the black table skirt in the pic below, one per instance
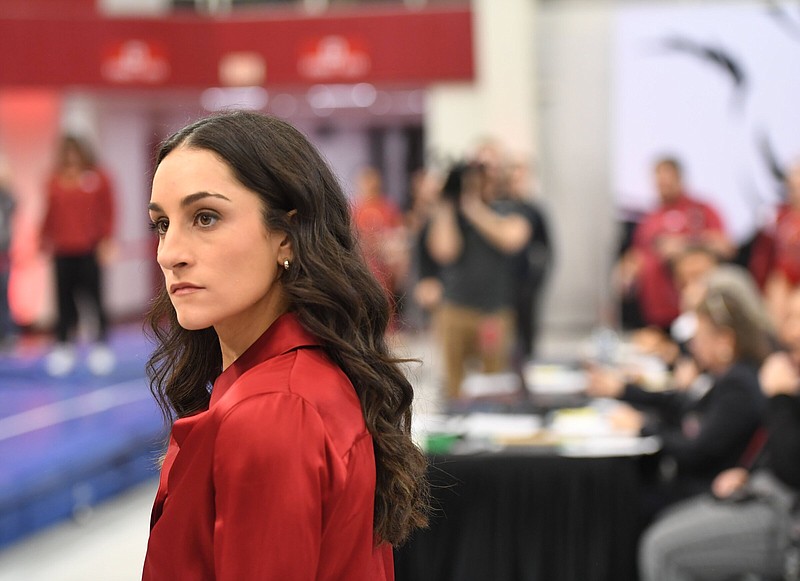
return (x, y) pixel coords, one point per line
(518, 517)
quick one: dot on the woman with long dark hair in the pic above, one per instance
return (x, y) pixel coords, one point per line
(290, 456)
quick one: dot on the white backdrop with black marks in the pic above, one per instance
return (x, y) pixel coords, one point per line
(717, 86)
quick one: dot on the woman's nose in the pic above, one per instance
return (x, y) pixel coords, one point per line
(173, 250)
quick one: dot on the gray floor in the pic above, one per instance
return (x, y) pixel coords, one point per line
(108, 545)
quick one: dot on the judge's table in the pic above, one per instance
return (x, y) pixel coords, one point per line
(549, 495)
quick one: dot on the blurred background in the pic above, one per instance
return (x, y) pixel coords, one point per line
(585, 95)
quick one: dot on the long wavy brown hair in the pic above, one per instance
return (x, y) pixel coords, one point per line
(330, 289)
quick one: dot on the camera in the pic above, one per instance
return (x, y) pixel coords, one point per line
(463, 176)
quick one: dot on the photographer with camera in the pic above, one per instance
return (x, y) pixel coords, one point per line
(473, 236)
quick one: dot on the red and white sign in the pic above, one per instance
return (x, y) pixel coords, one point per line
(334, 57)
(359, 46)
(136, 61)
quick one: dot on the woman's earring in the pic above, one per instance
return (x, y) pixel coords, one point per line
(286, 264)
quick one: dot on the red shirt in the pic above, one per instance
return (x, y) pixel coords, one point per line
(79, 216)
(787, 244)
(377, 220)
(686, 218)
(276, 480)
(374, 216)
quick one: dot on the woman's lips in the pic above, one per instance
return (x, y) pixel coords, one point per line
(183, 289)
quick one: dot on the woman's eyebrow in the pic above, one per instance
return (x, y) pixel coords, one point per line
(189, 200)
(192, 198)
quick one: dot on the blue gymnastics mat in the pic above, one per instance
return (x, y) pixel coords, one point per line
(69, 443)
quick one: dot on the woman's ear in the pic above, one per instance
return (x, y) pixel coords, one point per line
(286, 249)
(286, 242)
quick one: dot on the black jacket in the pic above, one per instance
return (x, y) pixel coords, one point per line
(709, 434)
(782, 451)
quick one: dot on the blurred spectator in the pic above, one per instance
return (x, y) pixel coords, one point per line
(707, 420)
(630, 313)
(7, 205)
(739, 284)
(744, 528)
(697, 272)
(533, 264)
(784, 274)
(490, 155)
(423, 197)
(644, 271)
(77, 229)
(381, 232)
(758, 255)
(691, 271)
(473, 238)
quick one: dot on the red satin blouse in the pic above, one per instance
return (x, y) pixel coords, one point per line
(276, 480)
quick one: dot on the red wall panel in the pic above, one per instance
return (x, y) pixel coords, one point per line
(398, 46)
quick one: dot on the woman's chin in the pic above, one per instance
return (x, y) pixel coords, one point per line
(193, 323)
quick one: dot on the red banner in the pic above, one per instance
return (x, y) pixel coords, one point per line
(397, 46)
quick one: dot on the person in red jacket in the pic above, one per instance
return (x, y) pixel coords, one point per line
(381, 232)
(77, 229)
(680, 222)
(290, 456)
(784, 275)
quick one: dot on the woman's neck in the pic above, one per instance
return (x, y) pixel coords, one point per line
(236, 337)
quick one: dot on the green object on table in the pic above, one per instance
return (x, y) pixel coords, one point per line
(440, 443)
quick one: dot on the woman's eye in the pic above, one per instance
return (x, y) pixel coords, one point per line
(159, 226)
(206, 219)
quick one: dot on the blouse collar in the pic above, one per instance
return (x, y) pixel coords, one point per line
(283, 335)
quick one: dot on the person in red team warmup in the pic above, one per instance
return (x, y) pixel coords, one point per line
(77, 229)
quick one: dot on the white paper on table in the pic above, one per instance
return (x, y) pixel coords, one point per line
(487, 425)
(490, 384)
(546, 378)
(582, 422)
(604, 447)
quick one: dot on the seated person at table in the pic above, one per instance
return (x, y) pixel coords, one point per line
(698, 272)
(690, 270)
(679, 222)
(706, 426)
(743, 527)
